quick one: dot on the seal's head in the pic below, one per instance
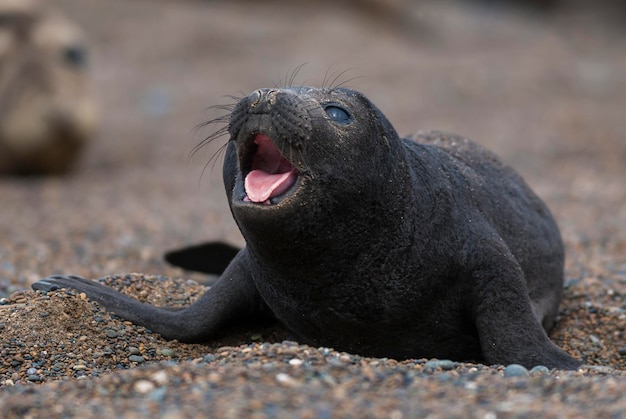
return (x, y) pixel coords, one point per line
(300, 156)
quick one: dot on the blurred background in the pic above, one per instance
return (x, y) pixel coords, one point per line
(542, 83)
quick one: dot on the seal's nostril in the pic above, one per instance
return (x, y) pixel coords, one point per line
(262, 100)
(257, 97)
(271, 96)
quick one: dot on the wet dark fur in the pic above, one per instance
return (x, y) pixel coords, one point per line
(406, 248)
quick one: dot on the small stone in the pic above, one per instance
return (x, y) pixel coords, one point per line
(17, 295)
(44, 314)
(286, 380)
(269, 366)
(515, 370)
(111, 333)
(133, 350)
(143, 386)
(34, 378)
(295, 362)
(160, 377)
(336, 363)
(443, 364)
(594, 339)
(158, 394)
(600, 369)
(136, 358)
(622, 351)
(571, 282)
(539, 370)
(167, 352)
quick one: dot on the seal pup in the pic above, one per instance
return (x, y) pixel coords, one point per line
(427, 246)
(47, 113)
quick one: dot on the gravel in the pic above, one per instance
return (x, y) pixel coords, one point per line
(86, 362)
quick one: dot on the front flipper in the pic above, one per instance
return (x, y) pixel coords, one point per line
(232, 297)
(209, 258)
(508, 330)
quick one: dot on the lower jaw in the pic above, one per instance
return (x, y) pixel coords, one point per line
(272, 201)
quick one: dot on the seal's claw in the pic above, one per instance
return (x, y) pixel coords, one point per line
(68, 276)
(44, 285)
(56, 282)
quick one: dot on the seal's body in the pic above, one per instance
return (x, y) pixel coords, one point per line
(47, 113)
(360, 240)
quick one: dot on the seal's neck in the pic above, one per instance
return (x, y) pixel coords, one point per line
(330, 232)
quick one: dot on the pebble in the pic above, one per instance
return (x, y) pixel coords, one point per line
(515, 370)
(18, 297)
(158, 394)
(159, 377)
(594, 339)
(136, 358)
(143, 386)
(539, 370)
(133, 350)
(167, 352)
(442, 364)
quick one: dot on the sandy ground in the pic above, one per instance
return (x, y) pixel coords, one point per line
(546, 93)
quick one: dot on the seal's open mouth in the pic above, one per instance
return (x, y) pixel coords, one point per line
(271, 174)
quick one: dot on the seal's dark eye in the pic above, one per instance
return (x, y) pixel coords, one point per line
(75, 56)
(338, 114)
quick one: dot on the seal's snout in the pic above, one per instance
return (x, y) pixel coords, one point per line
(281, 114)
(269, 128)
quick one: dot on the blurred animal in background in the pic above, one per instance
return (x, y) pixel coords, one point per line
(47, 113)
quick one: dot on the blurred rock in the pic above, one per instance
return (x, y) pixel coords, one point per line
(47, 113)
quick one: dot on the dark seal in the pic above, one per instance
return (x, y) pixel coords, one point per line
(362, 241)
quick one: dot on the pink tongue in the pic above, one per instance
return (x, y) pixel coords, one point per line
(261, 186)
(271, 174)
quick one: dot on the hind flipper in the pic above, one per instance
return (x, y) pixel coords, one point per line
(211, 258)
